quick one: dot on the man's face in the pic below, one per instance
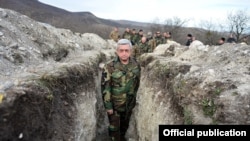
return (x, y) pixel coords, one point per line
(143, 39)
(165, 34)
(158, 33)
(123, 52)
(220, 41)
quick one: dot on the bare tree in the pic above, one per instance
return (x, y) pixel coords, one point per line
(239, 23)
(211, 34)
(155, 25)
(173, 25)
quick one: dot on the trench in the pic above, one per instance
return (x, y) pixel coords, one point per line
(65, 104)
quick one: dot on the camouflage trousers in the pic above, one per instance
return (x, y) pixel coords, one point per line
(118, 125)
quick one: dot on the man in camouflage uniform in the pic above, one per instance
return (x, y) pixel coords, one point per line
(189, 39)
(158, 39)
(127, 34)
(151, 41)
(167, 36)
(114, 34)
(136, 39)
(133, 36)
(142, 47)
(120, 82)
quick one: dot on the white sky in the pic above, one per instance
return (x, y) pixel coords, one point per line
(150, 10)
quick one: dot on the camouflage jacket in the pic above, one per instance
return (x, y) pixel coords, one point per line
(133, 38)
(119, 84)
(151, 43)
(126, 35)
(114, 35)
(142, 48)
(158, 40)
(136, 38)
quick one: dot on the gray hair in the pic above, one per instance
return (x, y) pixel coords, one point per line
(124, 42)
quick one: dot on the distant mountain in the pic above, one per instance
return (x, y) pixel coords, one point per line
(133, 23)
(76, 21)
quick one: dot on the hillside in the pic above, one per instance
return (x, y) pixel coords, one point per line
(76, 21)
(87, 22)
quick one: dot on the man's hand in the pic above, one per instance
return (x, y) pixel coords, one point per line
(110, 111)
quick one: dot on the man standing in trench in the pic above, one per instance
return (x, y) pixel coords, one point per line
(119, 83)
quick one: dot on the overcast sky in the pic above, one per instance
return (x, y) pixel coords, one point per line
(150, 10)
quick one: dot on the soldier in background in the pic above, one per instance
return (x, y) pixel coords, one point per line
(142, 47)
(151, 41)
(119, 85)
(133, 36)
(168, 36)
(138, 37)
(114, 34)
(127, 34)
(221, 41)
(158, 39)
(231, 39)
(189, 39)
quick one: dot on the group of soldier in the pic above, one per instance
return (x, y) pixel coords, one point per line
(142, 43)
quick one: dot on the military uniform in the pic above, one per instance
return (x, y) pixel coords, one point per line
(158, 40)
(151, 43)
(120, 84)
(142, 48)
(114, 35)
(136, 39)
(126, 35)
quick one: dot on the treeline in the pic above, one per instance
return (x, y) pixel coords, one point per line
(238, 24)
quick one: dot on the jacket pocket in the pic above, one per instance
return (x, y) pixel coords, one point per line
(116, 77)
